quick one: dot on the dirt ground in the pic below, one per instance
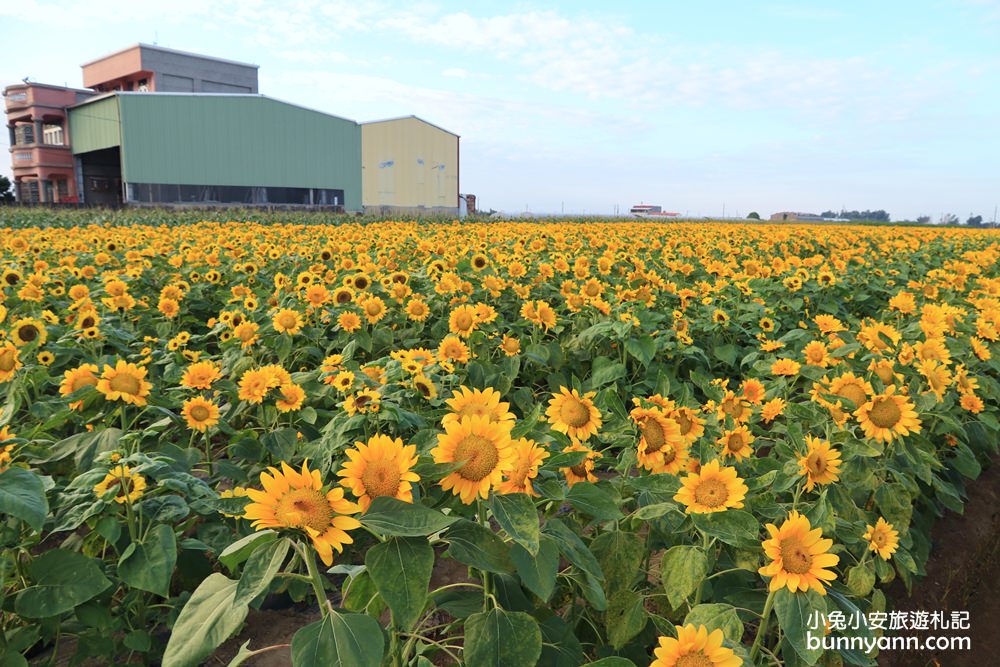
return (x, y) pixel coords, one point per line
(963, 574)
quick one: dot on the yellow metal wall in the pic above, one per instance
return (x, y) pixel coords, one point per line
(407, 163)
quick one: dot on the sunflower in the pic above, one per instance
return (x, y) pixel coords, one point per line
(296, 501)
(734, 407)
(453, 349)
(247, 333)
(425, 386)
(736, 443)
(76, 379)
(169, 307)
(462, 321)
(342, 381)
(849, 386)
(821, 464)
(200, 413)
(661, 448)
(695, 646)
(467, 402)
(124, 382)
(287, 321)
(712, 489)
(417, 310)
(691, 425)
(201, 375)
(364, 402)
(583, 471)
(787, 367)
(6, 451)
(526, 457)
(511, 347)
(348, 321)
(573, 414)
(972, 403)
(27, 330)
(753, 391)
(799, 556)
(882, 538)
(381, 467)
(772, 409)
(484, 446)
(828, 324)
(292, 397)
(816, 353)
(343, 296)
(937, 375)
(127, 484)
(254, 385)
(878, 337)
(887, 416)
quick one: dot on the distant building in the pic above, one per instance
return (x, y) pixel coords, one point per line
(783, 216)
(168, 127)
(172, 148)
(153, 69)
(409, 165)
(41, 159)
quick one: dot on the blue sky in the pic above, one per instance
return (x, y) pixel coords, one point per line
(583, 106)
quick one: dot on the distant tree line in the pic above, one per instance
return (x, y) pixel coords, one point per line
(952, 219)
(879, 215)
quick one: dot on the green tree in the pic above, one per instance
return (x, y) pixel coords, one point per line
(6, 191)
(754, 215)
(974, 220)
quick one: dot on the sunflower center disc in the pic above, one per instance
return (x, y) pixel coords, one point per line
(683, 421)
(816, 464)
(795, 556)
(27, 333)
(480, 456)
(711, 493)
(125, 384)
(696, 659)
(381, 478)
(304, 507)
(7, 361)
(854, 394)
(574, 413)
(653, 433)
(199, 413)
(463, 321)
(885, 413)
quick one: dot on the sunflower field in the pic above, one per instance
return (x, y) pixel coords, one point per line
(485, 444)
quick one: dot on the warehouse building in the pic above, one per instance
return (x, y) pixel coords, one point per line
(214, 149)
(409, 165)
(160, 126)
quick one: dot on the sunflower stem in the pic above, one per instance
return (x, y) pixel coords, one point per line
(309, 558)
(487, 583)
(208, 453)
(762, 628)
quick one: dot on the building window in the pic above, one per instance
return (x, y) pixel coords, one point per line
(17, 97)
(62, 188)
(25, 133)
(53, 135)
(143, 86)
(22, 156)
(29, 190)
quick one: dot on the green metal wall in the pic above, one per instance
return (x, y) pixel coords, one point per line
(95, 126)
(227, 140)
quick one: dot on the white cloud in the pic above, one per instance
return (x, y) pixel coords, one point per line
(456, 73)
